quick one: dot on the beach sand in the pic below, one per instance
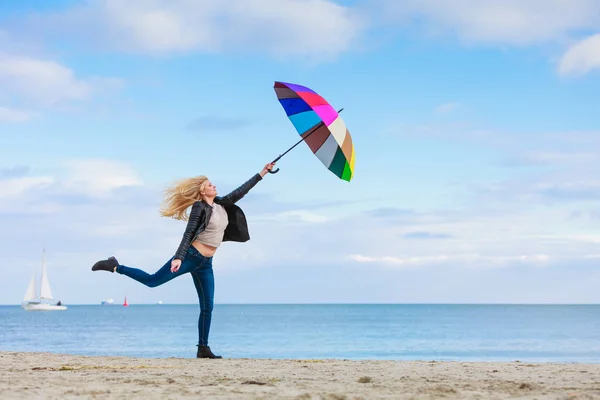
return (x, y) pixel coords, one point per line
(56, 376)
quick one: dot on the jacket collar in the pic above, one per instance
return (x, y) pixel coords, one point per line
(218, 200)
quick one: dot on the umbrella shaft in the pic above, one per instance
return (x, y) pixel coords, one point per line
(303, 139)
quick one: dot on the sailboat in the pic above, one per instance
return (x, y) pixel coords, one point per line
(31, 302)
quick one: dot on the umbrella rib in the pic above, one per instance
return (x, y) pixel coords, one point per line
(313, 130)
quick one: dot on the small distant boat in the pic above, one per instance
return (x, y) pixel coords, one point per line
(125, 304)
(108, 302)
(159, 302)
(31, 302)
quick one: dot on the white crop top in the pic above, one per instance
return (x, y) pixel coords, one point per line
(215, 229)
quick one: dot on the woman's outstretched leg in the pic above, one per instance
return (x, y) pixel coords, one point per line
(161, 276)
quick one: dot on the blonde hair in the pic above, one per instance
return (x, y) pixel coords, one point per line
(181, 195)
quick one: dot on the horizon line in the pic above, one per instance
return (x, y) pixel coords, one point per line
(323, 303)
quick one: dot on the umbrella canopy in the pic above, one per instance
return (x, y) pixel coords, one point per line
(320, 126)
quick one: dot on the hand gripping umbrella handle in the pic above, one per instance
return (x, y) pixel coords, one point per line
(271, 171)
(297, 143)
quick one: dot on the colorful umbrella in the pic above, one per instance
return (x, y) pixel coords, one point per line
(320, 126)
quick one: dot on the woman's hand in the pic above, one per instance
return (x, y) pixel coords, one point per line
(266, 169)
(175, 264)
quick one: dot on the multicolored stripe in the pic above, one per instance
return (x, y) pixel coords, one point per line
(330, 141)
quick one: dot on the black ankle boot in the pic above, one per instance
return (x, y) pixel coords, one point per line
(205, 352)
(106, 265)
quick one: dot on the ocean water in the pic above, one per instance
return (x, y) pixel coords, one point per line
(535, 333)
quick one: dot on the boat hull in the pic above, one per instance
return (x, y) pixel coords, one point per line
(42, 307)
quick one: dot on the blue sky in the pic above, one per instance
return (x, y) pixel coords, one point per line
(475, 129)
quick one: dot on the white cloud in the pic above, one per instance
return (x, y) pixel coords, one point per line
(46, 82)
(14, 115)
(95, 208)
(99, 177)
(477, 239)
(465, 260)
(82, 229)
(513, 22)
(555, 157)
(18, 186)
(592, 238)
(299, 215)
(566, 169)
(314, 28)
(42, 81)
(509, 22)
(582, 57)
(83, 178)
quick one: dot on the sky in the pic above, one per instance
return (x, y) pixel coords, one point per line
(475, 129)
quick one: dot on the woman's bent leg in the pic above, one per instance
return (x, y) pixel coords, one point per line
(161, 276)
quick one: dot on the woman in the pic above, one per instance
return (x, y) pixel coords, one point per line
(212, 220)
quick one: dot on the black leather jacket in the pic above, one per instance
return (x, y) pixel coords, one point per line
(237, 228)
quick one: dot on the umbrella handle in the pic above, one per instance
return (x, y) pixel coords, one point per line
(274, 161)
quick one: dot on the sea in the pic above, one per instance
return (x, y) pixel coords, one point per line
(526, 333)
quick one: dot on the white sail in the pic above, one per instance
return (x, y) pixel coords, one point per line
(31, 303)
(45, 292)
(30, 294)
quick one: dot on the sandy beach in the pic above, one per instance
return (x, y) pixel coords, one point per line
(57, 376)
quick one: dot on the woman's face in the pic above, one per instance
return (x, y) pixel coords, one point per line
(210, 190)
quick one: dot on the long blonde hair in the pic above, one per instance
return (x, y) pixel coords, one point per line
(181, 195)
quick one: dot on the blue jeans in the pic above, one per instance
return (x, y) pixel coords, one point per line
(201, 269)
